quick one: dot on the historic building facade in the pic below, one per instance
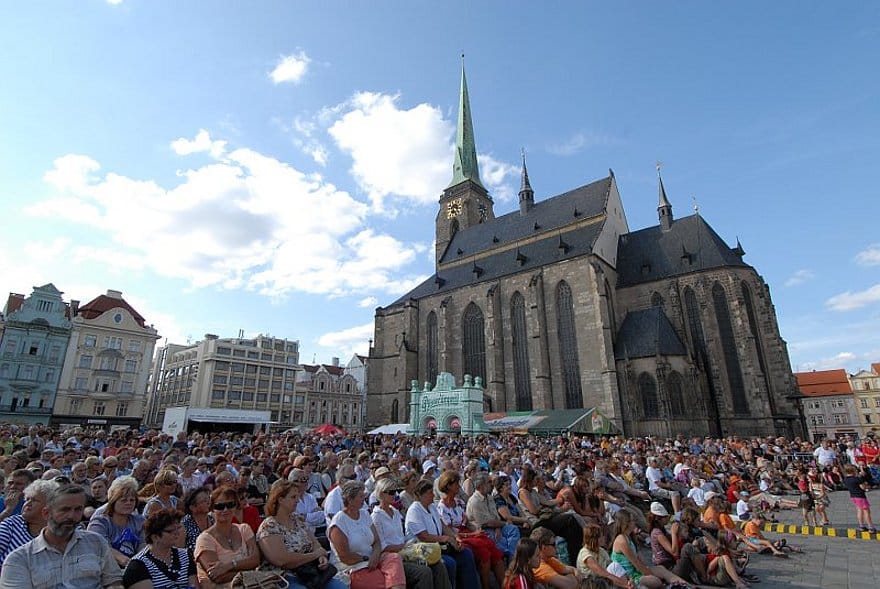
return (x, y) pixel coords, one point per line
(32, 348)
(104, 380)
(828, 404)
(329, 393)
(866, 393)
(558, 305)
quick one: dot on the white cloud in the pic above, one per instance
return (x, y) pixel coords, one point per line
(200, 144)
(869, 256)
(354, 340)
(579, 141)
(836, 362)
(244, 220)
(290, 68)
(368, 302)
(800, 277)
(403, 153)
(849, 301)
(114, 2)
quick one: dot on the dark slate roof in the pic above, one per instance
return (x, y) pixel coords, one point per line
(647, 333)
(689, 245)
(551, 215)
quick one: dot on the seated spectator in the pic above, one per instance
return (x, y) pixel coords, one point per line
(551, 572)
(307, 506)
(543, 513)
(593, 560)
(506, 504)
(165, 487)
(224, 548)
(13, 495)
(520, 574)
(118, 522)
(245, 512)
(333, 500)
(754, 538)
(197, 515)
(161, 563)
(20, 529)
(624, 553)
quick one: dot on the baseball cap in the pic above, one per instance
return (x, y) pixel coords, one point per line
(658, 509)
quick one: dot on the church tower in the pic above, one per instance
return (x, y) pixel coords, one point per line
(465, 202)
(664, 208)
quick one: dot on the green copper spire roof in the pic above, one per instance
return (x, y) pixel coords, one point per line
(465, 167)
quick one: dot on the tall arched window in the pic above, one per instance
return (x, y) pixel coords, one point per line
(759, 344)
(648, 394)
(728, 347)
(474, 342)
(611, 317)
(695, 325)
(395, 411)
(675, 388)
(453, 228)
(521, 373)
(431, 348)
(568, 348)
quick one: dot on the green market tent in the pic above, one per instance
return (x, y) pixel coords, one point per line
(552, 422)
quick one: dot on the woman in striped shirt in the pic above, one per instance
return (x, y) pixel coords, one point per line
(161, 565)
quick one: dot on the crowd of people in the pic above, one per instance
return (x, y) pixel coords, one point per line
(89, 509)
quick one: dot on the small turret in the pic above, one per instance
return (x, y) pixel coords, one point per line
(526, 194)
(664, 209)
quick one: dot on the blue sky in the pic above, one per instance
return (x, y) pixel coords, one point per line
(275, 166)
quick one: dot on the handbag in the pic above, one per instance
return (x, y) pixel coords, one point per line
(421, 552)
(259, 580)
(313, 576)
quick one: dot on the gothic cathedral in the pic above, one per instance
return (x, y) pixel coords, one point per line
(558, 305)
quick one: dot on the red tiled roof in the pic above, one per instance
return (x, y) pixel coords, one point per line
(102, 304)
(875, 367)
(822, 383)
(14, 303)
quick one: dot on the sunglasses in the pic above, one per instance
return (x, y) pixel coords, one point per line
(301, 480)
(225, 506)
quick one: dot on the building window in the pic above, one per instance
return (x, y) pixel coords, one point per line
(126, 387)
(863, 403)
(90, 341)
(321, 386)
(675, 388)
(568, 347)
(54, 352)
(474, 342)
(234, 396)
(867, 418)
(432, 349)
(108, 363)
(75, 405)
(224, 351)
(648, 395)
(121, 409)
(247, 396)
(33, 350)
(4, 371)
(728, 347)
(81, 384)
(100, 408)
(218, 395)
(237, 367)
(876, 401)
(522, 382)
(131, 365)
(395, 411)
(656, 299)
(134, 346)
(113, 343)
(85, 361)
(841, 418)
(28, 373)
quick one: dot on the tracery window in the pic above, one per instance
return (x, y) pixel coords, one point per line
(568, 348)
(521, 371)
(675, 389)
(432, 348)
(728, 347)
(695, 325)
(474, 342)
(648, 394)
(395, 411)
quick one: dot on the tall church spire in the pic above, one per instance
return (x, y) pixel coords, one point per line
(526, 194)
(664, 209)
(465, 167)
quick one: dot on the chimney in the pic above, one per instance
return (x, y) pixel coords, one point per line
(114, 294)
(335, 361)
(74, 308)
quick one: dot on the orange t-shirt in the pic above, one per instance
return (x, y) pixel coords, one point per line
(751, 530)
(726, 522)
(710, 516)
(548, 569)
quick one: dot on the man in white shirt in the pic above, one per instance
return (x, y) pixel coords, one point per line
(658, 488)
(825, 454)
(307, 505)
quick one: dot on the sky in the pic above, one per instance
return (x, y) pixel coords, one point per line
(275, 167)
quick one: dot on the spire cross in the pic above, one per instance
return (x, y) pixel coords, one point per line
(696, 205)
(659, 165)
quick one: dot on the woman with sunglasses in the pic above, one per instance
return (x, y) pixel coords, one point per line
(165, 486)
(286, 542)
(225, 548)
(389, 525)
(161, 563)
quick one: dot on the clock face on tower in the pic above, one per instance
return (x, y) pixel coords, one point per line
(453, 208)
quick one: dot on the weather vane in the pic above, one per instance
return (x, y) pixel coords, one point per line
(696, 205)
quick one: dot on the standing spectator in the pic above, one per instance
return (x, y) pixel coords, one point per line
(62, 548)
(857, 484)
